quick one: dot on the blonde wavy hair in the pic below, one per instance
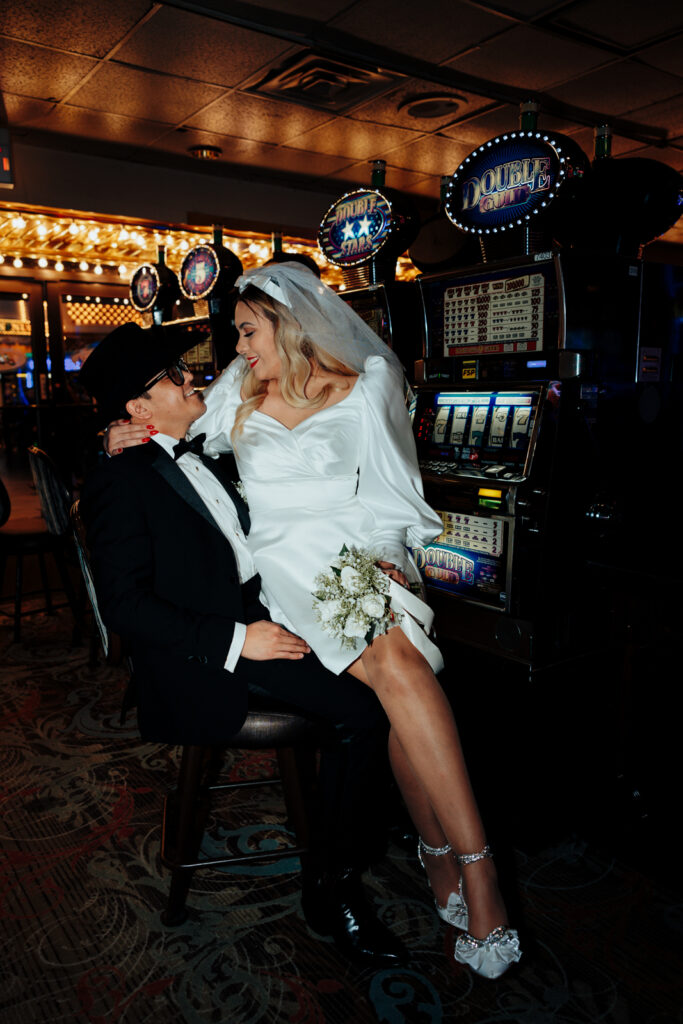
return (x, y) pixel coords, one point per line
(298, 354)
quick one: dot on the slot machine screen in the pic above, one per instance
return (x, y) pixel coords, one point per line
(195, 341)
(482, 439)
(492, 311)
(482, 433)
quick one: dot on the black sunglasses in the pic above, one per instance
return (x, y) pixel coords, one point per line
(174, 372)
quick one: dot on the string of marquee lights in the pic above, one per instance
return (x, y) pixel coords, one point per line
(52, 240)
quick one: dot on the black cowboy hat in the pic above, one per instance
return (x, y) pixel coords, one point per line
(123, 363)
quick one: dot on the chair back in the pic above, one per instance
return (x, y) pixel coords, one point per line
(55, 498)
(5, 504)
(84, 562)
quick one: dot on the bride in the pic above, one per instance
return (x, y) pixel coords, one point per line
(314, 412)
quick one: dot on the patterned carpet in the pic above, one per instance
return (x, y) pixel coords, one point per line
(82, 887)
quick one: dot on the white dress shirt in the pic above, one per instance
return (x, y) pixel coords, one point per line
(222, 509)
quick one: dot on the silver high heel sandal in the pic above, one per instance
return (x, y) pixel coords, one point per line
(489, 957)
(455, 911)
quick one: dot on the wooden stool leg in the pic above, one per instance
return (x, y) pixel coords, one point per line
(185, 816)
(292, 771)
(74, 604)
(44, 581)
(19, 580)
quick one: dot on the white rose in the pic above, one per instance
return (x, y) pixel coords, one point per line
(373, 606)
(350, 579)
(328, 609)
(356, 626)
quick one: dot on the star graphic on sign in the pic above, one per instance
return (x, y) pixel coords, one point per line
(348, 231)
(364, 227)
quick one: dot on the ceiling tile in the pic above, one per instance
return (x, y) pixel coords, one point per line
(92, 28)
(430, 186)
(34, 71)
(431, 155)
(669, 155)
(384, 109)
(667, 115)
(619, 88)
(485, 126)
(22, 110)
(300, 161)
(433, 31)
(584, 137)
(190, 46)
(253, 117)
(530, 59)
(357, 140)
(626, 24)
(324, 9)
(666, 56)
(142, 94)
(97, 124)
(528, 8)
(250, 152)
(358, 175)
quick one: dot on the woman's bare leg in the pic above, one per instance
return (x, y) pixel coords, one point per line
(443, 871)
(431, 771)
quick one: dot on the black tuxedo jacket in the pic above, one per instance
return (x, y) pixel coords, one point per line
(167, 582)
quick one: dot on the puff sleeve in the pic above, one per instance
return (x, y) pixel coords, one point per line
(221, 399)
(389, 482)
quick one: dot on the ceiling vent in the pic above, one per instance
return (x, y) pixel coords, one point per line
(313, 81)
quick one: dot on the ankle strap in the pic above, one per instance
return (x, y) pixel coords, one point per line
(471, 858)
(435, 851)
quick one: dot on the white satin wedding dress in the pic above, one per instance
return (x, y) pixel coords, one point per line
(346, 475)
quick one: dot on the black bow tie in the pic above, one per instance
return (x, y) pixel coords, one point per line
(195, 446)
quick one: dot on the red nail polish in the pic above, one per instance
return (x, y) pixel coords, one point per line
(117, 451)
(153, 432)
(150, 426)
(145, 440)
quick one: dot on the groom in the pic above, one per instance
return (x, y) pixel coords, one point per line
(174, 577)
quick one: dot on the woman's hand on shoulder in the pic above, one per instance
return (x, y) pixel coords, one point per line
(122, 434)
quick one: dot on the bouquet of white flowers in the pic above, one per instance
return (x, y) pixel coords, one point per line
(352, 600)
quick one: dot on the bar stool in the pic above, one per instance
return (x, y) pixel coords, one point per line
(21, 536)
(185, 810)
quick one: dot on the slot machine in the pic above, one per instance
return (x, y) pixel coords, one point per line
(154, 290)
(207, 279)
(193, 307)
(530, 358)
(364, 232)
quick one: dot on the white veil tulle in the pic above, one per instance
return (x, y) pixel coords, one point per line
(324, 318)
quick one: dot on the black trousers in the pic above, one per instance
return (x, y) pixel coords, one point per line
(348, 825)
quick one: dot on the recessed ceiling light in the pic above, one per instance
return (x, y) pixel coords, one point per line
(431, 104)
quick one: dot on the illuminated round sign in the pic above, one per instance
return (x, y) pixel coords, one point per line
(144, 287)
(356, 227)
(509, 181)
(199, 272)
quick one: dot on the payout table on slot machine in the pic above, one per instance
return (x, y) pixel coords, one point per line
(528, 357)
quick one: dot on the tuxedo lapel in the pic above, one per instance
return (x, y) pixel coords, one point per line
(173, 475)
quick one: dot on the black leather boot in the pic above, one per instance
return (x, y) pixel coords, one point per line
(334, 905)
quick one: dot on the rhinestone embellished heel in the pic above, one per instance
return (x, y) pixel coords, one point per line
(455, 911)
(489, 957)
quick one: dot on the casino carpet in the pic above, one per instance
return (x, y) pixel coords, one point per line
(82, 888)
